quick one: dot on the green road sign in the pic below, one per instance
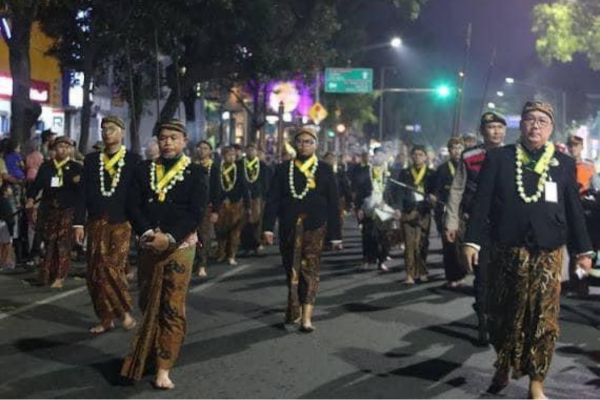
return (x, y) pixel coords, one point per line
(348, 80)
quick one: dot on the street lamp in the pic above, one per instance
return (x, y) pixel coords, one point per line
(341, 128)
(509, 80)
(491, 105)
(396, 42)
(500, 93)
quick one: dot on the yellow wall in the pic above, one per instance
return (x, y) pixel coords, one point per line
(43, 67)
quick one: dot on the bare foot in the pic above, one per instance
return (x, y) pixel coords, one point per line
(57, 284)
(409, 281)
(162, 380)
(128, 322)
(202, 272)
(536, 390)
(232, 262)
(101, 328)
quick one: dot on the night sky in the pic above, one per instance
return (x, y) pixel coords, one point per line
(435, 46)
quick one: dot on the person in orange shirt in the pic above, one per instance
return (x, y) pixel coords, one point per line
(586, 172)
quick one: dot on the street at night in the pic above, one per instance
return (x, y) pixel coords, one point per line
(375, 338)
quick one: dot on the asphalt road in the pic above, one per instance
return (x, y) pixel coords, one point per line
(375, 338)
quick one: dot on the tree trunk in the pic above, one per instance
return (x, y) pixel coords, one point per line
(24, 112)
(136, 107)
(86, 111)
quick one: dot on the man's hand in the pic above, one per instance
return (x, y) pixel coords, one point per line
(146, 239)
(214, 217)
(433, 199)
(159, 243)
(336, 246)
(30, 204)
(450, 235)
(585, 262)
(268, 238)
(397, 215)
(79, 235)
(470, 257)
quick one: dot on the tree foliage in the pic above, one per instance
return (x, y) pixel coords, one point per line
(565, 28)
(24, 112)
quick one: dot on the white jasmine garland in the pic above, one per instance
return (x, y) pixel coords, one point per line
(115, 179)
(295, 194)
(545, 160)
(248, 179)
(177, 178)
(234, 178)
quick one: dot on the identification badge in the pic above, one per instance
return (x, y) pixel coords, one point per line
(419, 197)
(551, 192)
(55, 182)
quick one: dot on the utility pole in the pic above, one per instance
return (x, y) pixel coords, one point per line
(382, 87)
(461, 82)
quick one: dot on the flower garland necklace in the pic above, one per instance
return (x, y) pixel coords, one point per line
(377, 176)
(230, 184)
(113, 166)
(542, 167)
(161, 183)
(313, 164)
(251, 165)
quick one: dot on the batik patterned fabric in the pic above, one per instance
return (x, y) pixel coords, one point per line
(107, 252)
(301, 253)
(415, 227)
(229, 228)
(250, 236)
(524, 302)
(58, 241)
(204, 242)
(163, 280)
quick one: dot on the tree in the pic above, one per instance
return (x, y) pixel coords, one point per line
(565, 28)
(87, 34)
(24, 112)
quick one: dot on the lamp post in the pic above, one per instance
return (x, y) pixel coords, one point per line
(395, 43)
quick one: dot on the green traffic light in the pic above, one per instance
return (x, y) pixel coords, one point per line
(443, 91)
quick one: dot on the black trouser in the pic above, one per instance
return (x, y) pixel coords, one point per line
(481, 280)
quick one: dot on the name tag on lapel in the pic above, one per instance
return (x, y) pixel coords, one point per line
(55, 182)
(551, 192)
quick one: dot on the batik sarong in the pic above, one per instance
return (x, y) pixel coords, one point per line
(250, 236)
(228, 229)
(523, 307)
(204, 241)
(107, 252)
(163, 280)
(301, 253)
(58, 241)
(415, 227)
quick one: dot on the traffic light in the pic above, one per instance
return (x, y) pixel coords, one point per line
(443, 91)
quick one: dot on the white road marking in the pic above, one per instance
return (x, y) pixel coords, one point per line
(208, 285)
(38, 303)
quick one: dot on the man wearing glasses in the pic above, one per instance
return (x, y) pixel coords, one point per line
(526, 207)
(304, 198)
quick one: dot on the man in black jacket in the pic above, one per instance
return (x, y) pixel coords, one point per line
(303, 197)
(59, 180)
(166, 205)
(211, 216)
(234, 208)
(526, 207)
(256, 175)
(107, 177)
